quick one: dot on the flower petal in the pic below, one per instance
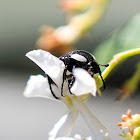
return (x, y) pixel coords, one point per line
(66, 34)
(37, 86)
(50, 64)
(76, 137)
(64, 138)
(64, 126)
(84, 83)
(97, 129)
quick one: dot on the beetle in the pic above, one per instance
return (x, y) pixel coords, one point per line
(77, 59)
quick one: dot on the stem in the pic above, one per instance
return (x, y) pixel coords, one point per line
(97, 129)
(118, 58)
(83, 22)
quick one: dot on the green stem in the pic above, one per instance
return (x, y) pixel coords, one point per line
(118, 58)
(83, 22)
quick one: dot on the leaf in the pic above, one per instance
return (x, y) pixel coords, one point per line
(126, 38)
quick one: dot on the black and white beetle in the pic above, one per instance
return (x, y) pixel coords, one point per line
(77, 59)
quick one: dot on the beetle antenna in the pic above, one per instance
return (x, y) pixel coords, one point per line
(63, 80)
(102, 79)
(101, 74)
(104, 65)
(103, 82)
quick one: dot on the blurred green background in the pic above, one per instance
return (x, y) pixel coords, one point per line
(27, 119)
(20, 22)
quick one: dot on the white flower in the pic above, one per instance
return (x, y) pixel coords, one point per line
(50, 64)
(54, 67)
(83, 83)
(76, 137)
(38, 86)
(67, 34)
(64, 126)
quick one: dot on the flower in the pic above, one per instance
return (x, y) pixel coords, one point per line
(52, 40)
(62, 39)
(75, 5)
(64, 126)
(76, 137)
(136, 135)
(54, 67)
(39, 86)
(131, 121)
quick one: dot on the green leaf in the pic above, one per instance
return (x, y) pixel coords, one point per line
(126, 38)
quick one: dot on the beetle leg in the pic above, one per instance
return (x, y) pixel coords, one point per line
(50, 81)
(64, 78)
(71, 83)
(102, 79)
(101, 74)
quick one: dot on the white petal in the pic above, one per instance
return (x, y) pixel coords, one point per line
(84, 83)
(50, 64)
(65, 138)
(97, 129)
(56, 128)
(64, 126)
(37, 86)
(76, 137)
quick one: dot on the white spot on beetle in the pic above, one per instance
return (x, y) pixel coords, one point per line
(79, 58)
